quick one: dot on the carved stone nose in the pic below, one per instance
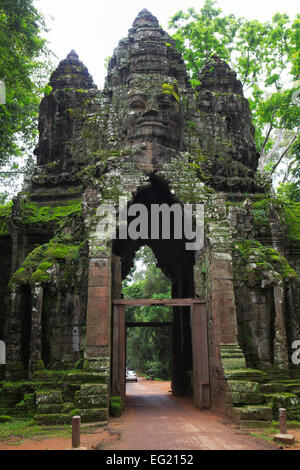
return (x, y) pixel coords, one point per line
(150, 112)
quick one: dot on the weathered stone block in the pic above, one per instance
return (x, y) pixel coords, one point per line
(93, 389)
(244, 398)
(48, 397)
(90, 401)
(243, 387)
(260, 413)
(52, 419)
(92, 415)
(284, 438)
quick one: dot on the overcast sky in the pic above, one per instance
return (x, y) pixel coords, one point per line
(93, 28)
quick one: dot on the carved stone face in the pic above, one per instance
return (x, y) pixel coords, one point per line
(153, 113)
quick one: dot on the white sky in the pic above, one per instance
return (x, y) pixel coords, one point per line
(93, 28)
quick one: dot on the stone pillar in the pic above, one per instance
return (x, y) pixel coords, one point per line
(222, 299)
(36, 328)
(280, 341)
(99, 307)
(14, 369)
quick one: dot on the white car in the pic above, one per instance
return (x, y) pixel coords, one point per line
(131, 376)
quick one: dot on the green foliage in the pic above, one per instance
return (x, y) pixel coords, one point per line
(200, 35)
(148, 347)
(292, 220)
(288, 192)
(266, 258)
(24, 69)
(264, 55)
(5, 213)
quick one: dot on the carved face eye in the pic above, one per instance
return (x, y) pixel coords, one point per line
(137, 104)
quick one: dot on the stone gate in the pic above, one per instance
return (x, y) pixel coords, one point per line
(148, 137)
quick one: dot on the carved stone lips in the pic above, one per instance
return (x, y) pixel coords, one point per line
(152, 123)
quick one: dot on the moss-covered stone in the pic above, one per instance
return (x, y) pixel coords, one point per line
(5, 214)
(289, 401)
(48, 397)
(44, 408)
(253, 257)
(244, 398)
(14, 370)
(52, 419)
(34, 213)
(37, 266)
(116, 406)
(90, 401)
(259, 412)
(5, 419)
(93, 389)
(91, 415)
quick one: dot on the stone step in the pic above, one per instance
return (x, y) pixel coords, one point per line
(93, 389)
(87, 377)
(245, 375)
(52, 419)
(244, 398)
(54, 408)
(100, 365)
(249, 412)
(245, 387)
(92, 414)
(254, 424)
(87, 416)
(90, 401)
(244, 393)
(48, 397)
(70, 376)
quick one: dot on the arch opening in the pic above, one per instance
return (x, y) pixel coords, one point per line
(176, 262)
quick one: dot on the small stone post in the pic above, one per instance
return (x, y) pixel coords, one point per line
(75, 432)
(282, 420)
(283, 437)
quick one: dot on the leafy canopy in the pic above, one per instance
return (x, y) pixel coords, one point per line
(24, 67)
(266, 57)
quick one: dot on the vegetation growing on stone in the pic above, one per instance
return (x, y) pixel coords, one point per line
(5, 213)
(37, 266)
(261, 259)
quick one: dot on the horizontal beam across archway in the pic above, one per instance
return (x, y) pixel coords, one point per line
(148, 324)
(169, 302)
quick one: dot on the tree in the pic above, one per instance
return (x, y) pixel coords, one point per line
(148, 347)
(24, 68)
(266, 58)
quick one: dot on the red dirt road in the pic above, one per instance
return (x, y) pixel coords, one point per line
(156, 420)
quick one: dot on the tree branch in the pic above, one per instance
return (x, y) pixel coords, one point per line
(284, 153)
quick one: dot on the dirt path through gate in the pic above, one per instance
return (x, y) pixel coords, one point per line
(154, 420)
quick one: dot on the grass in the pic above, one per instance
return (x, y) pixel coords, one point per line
(18, 430)
(268, 432)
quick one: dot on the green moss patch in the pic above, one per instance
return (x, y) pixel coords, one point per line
(5, 213)
(115, 406)
(35, 213)
(36, 267)
(253, 256)
(292, 218)
(171, 90)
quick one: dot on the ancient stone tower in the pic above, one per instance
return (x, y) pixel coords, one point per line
(150, 138)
